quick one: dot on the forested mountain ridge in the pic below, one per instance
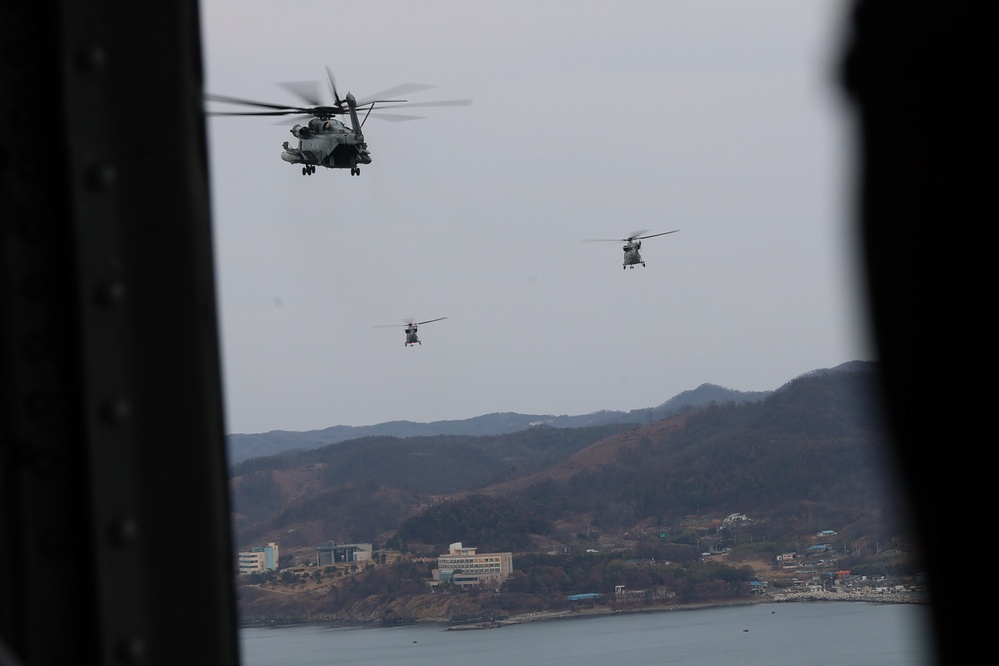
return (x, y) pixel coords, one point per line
(245, 446)
(360, 489)
(807, 457)
(811, 455)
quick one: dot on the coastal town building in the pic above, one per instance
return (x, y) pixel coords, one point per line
(463, 566)
(259, 559)
(787, 560)
(330, 552)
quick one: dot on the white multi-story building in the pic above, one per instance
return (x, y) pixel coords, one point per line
(463, 566)
(259, 559)
(331, 553)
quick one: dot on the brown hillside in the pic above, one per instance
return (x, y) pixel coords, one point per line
(596, 455)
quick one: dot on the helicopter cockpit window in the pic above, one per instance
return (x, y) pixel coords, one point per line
(326, 126)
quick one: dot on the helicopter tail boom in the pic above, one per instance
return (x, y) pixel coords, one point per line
(363, 156)
(352, 106)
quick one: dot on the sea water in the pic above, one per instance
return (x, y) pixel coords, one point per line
(798, 634)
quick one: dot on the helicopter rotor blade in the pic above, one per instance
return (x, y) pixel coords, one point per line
(394, 117)
(654, 235)
(633, 236)
(429, 321)
(443, 102)
(307, 91)
(297, 116)
(256, 113)
(637, 235)
(245, 102)
(332, 82)
(409, 321)
(402, 89)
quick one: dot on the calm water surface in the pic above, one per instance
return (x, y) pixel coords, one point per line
(763, 634)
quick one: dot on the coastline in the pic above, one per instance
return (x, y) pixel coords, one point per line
(596, 611)
(869, 597)
(794, 597)
(549, 616)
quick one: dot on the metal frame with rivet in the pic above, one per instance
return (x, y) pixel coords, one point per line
(114, 514)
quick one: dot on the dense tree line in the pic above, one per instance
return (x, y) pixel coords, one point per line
(487, 523)
(576, 573)
(352, 513)
(417, 465)
(818, 442)
(400, 579)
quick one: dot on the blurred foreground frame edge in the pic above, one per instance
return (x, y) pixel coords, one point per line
(914, 72)
(114, 506)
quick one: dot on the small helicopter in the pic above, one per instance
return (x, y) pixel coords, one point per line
(325, 141)
(411, 328)
(632, 245)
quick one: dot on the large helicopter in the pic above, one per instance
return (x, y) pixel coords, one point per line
(325, 141)
(632, 245)
(411, 329)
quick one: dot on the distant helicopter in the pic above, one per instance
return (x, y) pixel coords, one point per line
(411, 328)
(632, 245)
(324, 140)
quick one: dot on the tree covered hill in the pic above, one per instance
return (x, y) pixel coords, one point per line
(360, 489)
(497, 524)
(245, 446)
(807, 457)
(813, 454)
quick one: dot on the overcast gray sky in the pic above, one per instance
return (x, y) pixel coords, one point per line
(591, 119)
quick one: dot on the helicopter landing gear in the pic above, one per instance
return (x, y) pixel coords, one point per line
(308, 169)
(355, 171)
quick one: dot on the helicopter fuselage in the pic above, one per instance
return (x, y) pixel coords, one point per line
(411, 337)
(632, 255)
(327, 143)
